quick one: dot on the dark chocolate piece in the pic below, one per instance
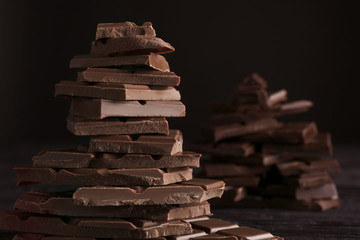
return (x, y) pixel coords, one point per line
(116, 91)
(102, 108)
(91, 227)
(115, 126)
(123, 76)
(194, 191)
(236, 149)
(144, 144)
(247, 233)
(62, 204)
(152, 60)
(130, 45)
(123, 29)
(62, 159)
(213, 225)
(103, 177)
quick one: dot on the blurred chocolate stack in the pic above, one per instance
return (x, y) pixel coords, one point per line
(132, 181)
(264, 162)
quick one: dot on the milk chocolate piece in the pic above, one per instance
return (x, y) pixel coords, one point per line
(247, 233)
(320, 143)
(115, 91)
(181, 159)
(308, 180)
(62, 159)
(247, 181)
(91, 227)
(217, 133)
(124, 76)
(130, 45)
(115, 126)
(236, 149)
(124, 29)
(213, 225)
(195, 233)
(102, 108)
(193, 191)
(215, 170)
(251, 83)
(257, 159)
(144, 144)
(152, 60)
(103, 177)
(62, 204)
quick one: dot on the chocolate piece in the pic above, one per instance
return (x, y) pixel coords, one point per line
(102, 177)
(247, 181)
(231, 196)
(218, 133)
(181, 159)
(195, 233)
(91, 227)
(247, 233)
(130, 45)
(190, 220)
(152, 60)
(215, 170)
(115, 91)
(123, 29)
(320, 143)
(144, 144)
(62, 159)
(215, 236)
(251, 83)
(236, 149)
(115, 126)
(123, 76)
(213, 225)
(102, 108)
(182, 193)
(308, 180)
(276, 97)
(62, 204)
(257, 159)
(296, 132)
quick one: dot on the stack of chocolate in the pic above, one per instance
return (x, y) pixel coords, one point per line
(265, 162)
(132, 181)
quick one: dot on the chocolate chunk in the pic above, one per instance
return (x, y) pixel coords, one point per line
(247, 181)
(247, 233)
(195, 233)
(181, 193)
(62, 159)
(144, 144)
(123, 29)
(115, 91)
(213, 225)
(321, 143)
(237, 149)
(181, 159)
(215, 170)
(115, 126)
(251, 83)
(102, 108)
(102, 177)
(91, 227)
(123, 76)
(215, 236)
(152, 60)
(257, 159)
(62, 204)
(217, 133)
(130, 45)
(308, 180)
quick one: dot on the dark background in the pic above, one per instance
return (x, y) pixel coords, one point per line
(307, 47)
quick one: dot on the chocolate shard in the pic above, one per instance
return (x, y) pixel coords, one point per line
(251, 83)
(152, 60)
(248, 233)
(218, 133)
(103, 177)
(130, 45)
(236, 149)
(102, 108)
(115, 126)
(216, 170)
(194, 191)
(181, 159)
(91, 227)
(213, 225)
(124, 29)
(62, 159)
(124, 76)
(144, 144)
(62, 204)
(116, 91)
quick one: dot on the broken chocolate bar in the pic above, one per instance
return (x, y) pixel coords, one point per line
(152, 60)
(103, 177)
(130, 45)
(144, 144)
(62, 204)
(115, 126)
(237, 149)
(193, 191)
(102, 108)
(124, 29)
(124, 76)
(115, 91)
(91, 227)
(62, 159)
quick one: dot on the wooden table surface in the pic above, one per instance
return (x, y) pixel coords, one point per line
(343, 223)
